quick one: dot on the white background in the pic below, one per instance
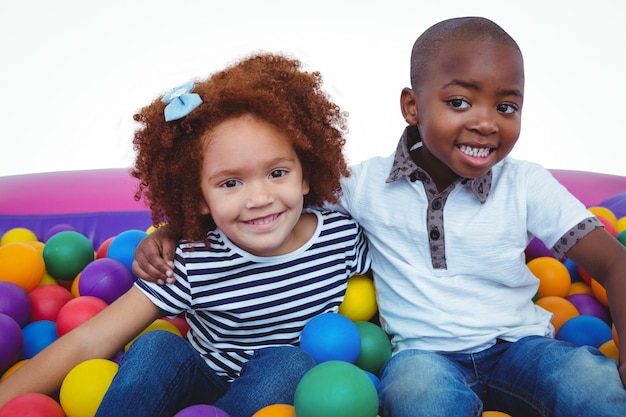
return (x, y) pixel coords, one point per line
(73, 72)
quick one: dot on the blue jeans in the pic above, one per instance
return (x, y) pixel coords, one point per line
(535, 376)
(162, 373)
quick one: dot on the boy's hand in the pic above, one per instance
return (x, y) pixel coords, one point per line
(154, 257)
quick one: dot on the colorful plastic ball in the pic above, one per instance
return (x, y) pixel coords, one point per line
(330, 337)
(580, 288)
(604, 212)
(66, 254)
(57, 229)
(615, 335)
(201, 410)
(17, 234)
(276, 410)
(180, 323)
(103, 248)
(610, 350)
(536, 249)
(17, 365)
(105, 278)
(375, 347)
(562, 310)
(375, 380)
(158, 324)
(359, 302)
(123, 246)
(587, 305)
(495, 414)
(31, 405)
(335, 389)
(14, 302)
(608, 226)
(554, 278)
(585, 331)
(21, 264)
(599, 292)
(572, 268)
(77, 311)
(11, 342)
(47, 301)
(84, 386)
(37, 336)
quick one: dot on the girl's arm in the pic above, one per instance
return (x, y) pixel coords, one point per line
(101, 337)
(604, 258)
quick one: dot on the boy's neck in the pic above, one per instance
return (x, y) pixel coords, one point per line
(439, 172)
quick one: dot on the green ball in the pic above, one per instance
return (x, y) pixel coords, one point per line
(375, 347)
(336, 389)
(66, 254)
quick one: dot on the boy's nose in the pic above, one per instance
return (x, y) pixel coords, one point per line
(484, 122)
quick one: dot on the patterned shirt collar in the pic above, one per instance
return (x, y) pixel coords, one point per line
(403, 166)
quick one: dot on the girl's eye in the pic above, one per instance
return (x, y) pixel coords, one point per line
(507, 108)
(458, 103)
(277, 173)
(230, 183)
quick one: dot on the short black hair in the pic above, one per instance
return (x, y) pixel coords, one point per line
(427, 46)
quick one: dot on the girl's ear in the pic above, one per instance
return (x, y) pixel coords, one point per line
(305, 185)
(408, 105)
(204, 209)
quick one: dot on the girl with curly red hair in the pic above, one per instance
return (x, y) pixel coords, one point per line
(234, 165)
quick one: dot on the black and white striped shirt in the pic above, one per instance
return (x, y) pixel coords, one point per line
(237, 303)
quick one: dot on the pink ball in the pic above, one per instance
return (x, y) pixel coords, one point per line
(47, 301)
(106, 279)
(32, 405)
(14, 302)
(77, 311)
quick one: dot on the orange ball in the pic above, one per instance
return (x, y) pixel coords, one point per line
(554, 278)
(579, 288)
(21, 264)
(599, 292)
(615, 336)
(276, 410)
(608, 214)
(495, 414)
(561, 309)
(609, 349)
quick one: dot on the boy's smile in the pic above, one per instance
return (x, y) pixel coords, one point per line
(467, 107)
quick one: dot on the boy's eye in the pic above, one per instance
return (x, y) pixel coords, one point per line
(277, 173)
(507, 108)
(458, 103)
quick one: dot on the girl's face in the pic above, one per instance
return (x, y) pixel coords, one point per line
(468, 108)
(253, 185)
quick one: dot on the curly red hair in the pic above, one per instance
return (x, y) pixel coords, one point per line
(273, 88)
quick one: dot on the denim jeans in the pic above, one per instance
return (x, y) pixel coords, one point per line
(162, 373)
(535, 376)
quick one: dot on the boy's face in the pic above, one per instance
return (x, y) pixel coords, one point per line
(467, 107)
(253, 185)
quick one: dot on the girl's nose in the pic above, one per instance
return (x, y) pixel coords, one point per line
(259, 195)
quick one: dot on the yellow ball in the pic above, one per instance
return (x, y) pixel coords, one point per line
(85, 385)
(359, 303)
(158, 324)
(604, 212)
(621, 224)
(18, 234)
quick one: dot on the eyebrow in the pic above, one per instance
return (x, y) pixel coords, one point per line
(474, 86)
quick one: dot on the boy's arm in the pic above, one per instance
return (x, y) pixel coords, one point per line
(604, 258)
(100, 337)
(154, 257)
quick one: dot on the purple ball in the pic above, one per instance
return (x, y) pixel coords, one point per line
(105, 278)
(56, 229)
(588, 305)
(201, 410)
(11, 342)
(536, 249)
(14, 302)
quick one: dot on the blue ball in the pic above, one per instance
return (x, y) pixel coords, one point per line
(122, 247)
(574, 273)
(329, 337)
(37, 336)
(585, 331)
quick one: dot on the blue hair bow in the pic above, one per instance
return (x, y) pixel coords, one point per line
(180, 102)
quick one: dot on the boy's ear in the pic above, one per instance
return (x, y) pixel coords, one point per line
(408, 105)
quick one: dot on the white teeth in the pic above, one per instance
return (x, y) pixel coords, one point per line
(479, 152)
(266, 220)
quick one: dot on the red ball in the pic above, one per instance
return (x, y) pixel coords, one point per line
(77, 311)
(103, 248)
(47, 301)
(32, 405)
